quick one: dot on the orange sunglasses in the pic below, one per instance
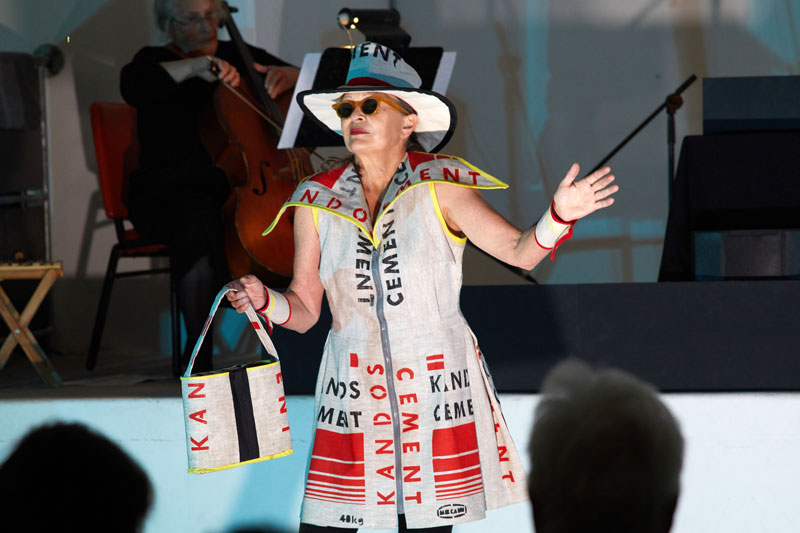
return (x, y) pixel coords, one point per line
(369, 106)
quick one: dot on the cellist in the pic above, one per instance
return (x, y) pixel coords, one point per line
(176, 195)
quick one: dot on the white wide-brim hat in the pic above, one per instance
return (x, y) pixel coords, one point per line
(377, 68)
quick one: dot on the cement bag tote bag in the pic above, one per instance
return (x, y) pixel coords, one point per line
(236, 415)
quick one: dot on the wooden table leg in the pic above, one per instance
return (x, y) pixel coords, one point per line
(27, 314)
(11, 318)
(22, 335)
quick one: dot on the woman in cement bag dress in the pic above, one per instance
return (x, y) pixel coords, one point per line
(408, 430)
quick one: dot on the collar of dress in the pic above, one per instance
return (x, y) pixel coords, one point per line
(339, 191)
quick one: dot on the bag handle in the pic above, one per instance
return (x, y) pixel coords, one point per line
(255, 321)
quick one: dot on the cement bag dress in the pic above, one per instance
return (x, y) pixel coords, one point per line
(406, 416)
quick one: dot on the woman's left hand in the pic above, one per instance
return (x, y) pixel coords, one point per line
(278, 79)
(249, 291)
(576, 199)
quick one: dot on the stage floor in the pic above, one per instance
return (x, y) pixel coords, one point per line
(119, 373)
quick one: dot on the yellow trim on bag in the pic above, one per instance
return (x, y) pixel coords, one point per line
(455, 238)
(222, 374)
(284, 453)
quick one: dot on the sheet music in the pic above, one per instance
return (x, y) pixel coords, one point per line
(294, 116)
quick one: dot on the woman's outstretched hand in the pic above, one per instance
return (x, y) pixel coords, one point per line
(576, 199)
(249, 289)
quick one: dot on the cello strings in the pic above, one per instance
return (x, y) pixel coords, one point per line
(263, 115)
(297, 164)
(253, 107)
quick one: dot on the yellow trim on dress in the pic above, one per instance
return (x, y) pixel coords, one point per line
(453, 237)
(322, 208)
(284, 453)
(375, 240)
(315, 214)
(500, 184)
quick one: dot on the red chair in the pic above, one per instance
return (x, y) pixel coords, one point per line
(117, 149)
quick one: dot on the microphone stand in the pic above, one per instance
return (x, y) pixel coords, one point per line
(672, 103)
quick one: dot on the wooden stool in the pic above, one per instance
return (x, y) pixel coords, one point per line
(18, 323)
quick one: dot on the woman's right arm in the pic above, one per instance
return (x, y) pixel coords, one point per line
(304, 295)
(183, 69)
(155, 75)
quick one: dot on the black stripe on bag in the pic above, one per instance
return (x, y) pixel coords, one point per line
(243, 410)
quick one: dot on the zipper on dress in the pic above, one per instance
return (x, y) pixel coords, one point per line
(387, 360)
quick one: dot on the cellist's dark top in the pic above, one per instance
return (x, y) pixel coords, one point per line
(176, 195)
(168, 111)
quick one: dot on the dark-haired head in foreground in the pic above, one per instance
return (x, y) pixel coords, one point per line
(65, 477)
(606, 454)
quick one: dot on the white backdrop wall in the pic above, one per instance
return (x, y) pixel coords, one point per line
(538, 84)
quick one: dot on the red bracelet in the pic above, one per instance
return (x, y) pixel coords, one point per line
(558, 218)
(262, 311)
(566, 236)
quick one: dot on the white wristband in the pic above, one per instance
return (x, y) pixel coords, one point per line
(278, 308)
(549, 231)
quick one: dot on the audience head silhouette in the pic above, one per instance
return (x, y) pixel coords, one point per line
(606, 454)
(65, 477)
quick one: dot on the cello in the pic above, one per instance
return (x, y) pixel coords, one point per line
(241, 134)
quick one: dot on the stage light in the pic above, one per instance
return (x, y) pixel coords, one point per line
(378, 25)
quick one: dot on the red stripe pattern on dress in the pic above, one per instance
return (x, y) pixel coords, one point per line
(456, 462)
(336, 472)
(435, 362)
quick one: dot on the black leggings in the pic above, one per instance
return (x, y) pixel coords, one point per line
(308, 528)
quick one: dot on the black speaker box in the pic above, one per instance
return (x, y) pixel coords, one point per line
(755, 103)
